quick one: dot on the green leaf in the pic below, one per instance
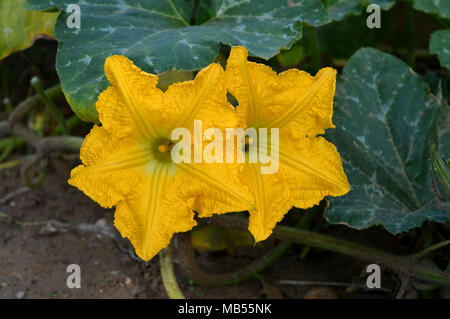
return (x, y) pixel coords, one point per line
(385, 115)
(338, 9)
(444, 131)
(384, 4)
(439, 8)
(355, 32)
(440, 45)
(20, 27)
(292, 57)
(156, 35)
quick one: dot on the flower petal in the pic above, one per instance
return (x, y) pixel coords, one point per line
(301, 106)
(127, 106)
(294, 101)
(254, 85)
(111, 167)
(305, 103)
(152, 214)
(314, 168)
(272, 198)
(218, 188)
(204, 99)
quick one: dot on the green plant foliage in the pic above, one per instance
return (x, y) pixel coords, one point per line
(444, 132)
(292, 57)
(338, 9)
(20, 27)
(440, 45)
(440, 8)
(384, 4)
(215, 238)
(355, 32)
(158, 37)
(353, 35)
(385, 115)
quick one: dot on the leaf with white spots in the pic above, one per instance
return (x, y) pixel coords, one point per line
(384, 4)
(338, 9)
(384, 117)
(440, 45)
(439, 8)
(157, 36)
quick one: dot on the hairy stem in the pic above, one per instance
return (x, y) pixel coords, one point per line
(23, 108)
(430, 249)
(10, 164)
(200, 277)
(50, 105)
(402, 264)
(168, 275)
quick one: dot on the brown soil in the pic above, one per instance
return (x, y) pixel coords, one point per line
(34, 256)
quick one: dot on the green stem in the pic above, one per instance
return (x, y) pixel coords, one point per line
(10, 164)
(8, 149)
(24, 107)
(199, 277)
(405, 264)
(50, 105)
(410, 37)
(16, 141)
(430, 249)
(59, 143)
(168, 275)
(27, 165)
(8, 105)
(4, 143)
(194, 7)
(314, 47)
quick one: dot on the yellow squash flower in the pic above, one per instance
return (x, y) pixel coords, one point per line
(301, 106)
(127, 161)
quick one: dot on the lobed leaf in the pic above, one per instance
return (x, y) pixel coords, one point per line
(384, 117)
(440, 8)
(440, 45)
(157, 35)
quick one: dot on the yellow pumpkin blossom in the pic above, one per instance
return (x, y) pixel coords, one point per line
(127, 161)
(301, 106)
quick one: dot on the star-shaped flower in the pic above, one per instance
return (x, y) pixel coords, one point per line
(127, 161)
(301, 107)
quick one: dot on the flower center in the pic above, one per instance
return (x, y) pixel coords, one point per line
(247, 142)
(162, 148)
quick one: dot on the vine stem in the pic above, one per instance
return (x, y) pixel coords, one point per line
(313, 42)
(402, 264)
(199, 276)
(50, 105)
(168, 275)
(430, 249)
(10, 164)
(202, 278)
